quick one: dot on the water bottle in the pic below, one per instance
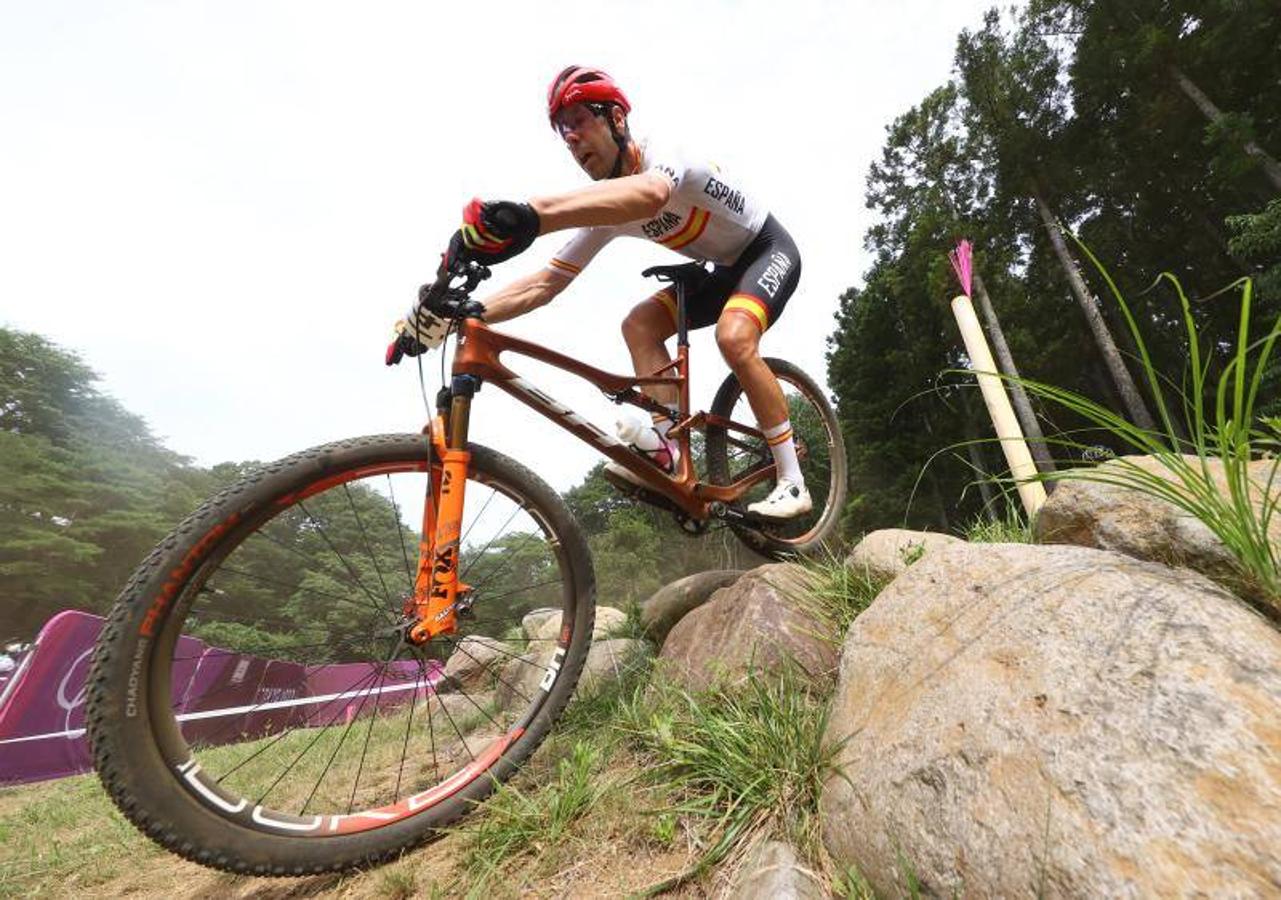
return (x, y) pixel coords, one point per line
(640, 435)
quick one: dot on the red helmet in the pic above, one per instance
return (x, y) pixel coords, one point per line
(577, 84)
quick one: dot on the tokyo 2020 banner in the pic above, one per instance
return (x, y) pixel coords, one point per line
(219, 696)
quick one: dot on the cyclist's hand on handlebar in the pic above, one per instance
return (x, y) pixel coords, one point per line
(419, 332)
(493, 232)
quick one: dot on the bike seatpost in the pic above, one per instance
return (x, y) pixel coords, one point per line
(682, 332)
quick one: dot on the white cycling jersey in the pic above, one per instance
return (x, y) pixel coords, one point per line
(708, 216)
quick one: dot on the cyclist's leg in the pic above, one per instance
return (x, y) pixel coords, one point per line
(739, 337)
(767, 274)
(770, 272)
(646, 330)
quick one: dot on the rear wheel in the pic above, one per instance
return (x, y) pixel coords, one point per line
(254, 705)
(733, 455)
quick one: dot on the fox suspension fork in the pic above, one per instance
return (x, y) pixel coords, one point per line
(437, 588)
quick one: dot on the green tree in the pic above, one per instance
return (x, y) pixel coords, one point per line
(85, 489)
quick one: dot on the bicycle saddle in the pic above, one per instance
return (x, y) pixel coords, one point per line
(686, 273)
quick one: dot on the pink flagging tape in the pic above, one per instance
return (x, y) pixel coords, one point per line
(962, 259)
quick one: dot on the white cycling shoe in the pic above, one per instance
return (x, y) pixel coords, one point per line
(786, 501)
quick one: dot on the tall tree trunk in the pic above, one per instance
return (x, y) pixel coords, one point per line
(935, 492)
(1005, 360)
(1270, 166)
(976, 460)
(1125, 385)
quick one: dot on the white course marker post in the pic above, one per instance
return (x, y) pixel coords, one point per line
(1031, 492)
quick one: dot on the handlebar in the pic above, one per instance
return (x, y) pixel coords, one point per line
(451, 301)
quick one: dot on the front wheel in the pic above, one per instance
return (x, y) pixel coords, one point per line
(731, 455)
(254, 704)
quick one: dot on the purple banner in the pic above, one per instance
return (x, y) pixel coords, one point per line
(221, 697)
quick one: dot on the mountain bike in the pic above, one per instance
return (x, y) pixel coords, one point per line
(349, 648)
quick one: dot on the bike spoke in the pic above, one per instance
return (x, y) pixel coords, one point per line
(404, 747)
(458, 647)
(324, 535)
(485, 549)
(452, 724)
(364, 751)
(462, 541)
(288, 731)
(364, 537)
(302, 555)
(342, 738)
(528, 587)
(400, 534)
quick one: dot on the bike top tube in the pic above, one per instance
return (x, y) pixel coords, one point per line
(479, 348)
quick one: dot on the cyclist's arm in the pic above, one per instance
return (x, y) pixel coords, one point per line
(610, 202)
(523, 295)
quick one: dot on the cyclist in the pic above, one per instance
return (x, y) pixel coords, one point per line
(682, 202)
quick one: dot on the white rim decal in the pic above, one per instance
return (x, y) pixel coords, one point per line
(189, 776)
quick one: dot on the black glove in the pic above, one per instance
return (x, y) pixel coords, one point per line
(493, 232)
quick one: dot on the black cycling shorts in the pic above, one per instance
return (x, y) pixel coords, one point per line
(758, 284)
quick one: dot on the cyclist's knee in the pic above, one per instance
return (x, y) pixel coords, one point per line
(647, 322)
(739, 340)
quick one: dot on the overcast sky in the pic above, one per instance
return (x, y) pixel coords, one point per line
(223, 207)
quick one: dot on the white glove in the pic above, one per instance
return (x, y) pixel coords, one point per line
(419, 332)
(423, 326)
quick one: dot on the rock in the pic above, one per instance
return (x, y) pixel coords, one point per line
(607, 661)
(476, 660)
(541, 624)
(886, 554)
(668, 605)
(1111, 517)
(544, 624)
(521, 676)
(1057, 720)
(772, 872)
(609, 622)
(451, 713)
(760, 622)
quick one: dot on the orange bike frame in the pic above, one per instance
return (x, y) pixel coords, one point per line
(479, 348)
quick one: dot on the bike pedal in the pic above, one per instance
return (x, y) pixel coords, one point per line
(739, 515)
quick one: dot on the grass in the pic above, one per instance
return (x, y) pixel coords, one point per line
(837, 594)
(515, 821)
(632, 627)
(851, 885)
(745, 760)
(64, 835)
(1225, 430)
(1014, 528)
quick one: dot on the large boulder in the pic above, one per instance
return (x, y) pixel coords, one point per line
(1024, 720)
(1112, 517)
(765, 621)
(607, 662)
(475, 662)
(544, 624)
(772, 871)
(670, 604)
(885, 554)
